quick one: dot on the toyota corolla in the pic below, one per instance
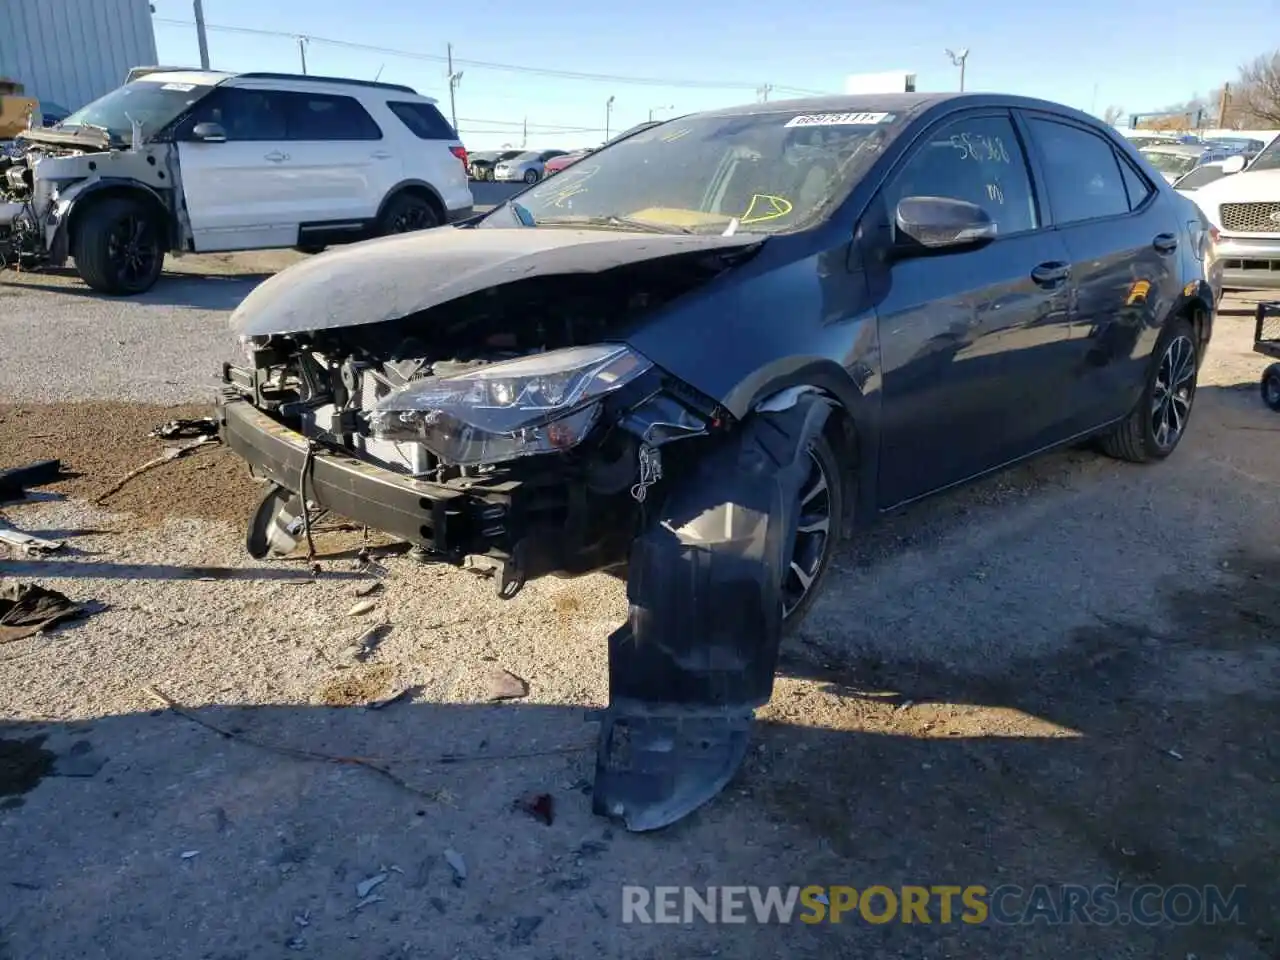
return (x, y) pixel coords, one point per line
(701, 355)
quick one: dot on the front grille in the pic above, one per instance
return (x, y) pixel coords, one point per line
(1250, 217)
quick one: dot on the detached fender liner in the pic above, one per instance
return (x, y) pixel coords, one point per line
(700, 646)
(436, 517)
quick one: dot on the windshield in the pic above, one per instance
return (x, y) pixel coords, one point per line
(1268, 159)
(154, 104)
(1173, 163)
(769, 172)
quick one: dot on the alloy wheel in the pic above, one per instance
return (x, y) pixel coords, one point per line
(813, 536)
(130, 249)
(410, 218)
(1174, 391)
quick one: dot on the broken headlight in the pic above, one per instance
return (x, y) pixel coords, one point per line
(542, 403)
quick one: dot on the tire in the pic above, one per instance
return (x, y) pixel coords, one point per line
(1158, 423)
(488, 175)
(119, 247)
(407, 213)
(827, 463)
(531, 176)
(1271, 387)
(310, 248)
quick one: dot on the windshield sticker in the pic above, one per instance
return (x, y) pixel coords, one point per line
(838, 119)
(180, 87)
(770, 208)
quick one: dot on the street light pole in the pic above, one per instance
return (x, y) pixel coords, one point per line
(201, 38)
(958, 58)
(302, 51)
(608, 115)
(454, 80)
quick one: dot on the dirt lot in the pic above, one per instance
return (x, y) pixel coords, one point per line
(1067, 674)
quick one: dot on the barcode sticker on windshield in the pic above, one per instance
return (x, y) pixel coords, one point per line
(837, 119)
(180, 87)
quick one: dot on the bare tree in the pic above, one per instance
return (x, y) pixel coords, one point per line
(1257, 93)
(1112, 115)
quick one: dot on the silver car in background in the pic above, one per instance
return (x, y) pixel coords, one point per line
(529, 166)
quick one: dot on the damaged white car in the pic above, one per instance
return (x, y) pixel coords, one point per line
(200, 161)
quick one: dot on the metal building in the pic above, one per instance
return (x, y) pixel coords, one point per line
(70, 52)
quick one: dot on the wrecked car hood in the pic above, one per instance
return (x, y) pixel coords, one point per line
(393, 277)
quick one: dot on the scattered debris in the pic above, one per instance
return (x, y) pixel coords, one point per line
(14, 481)
(368, 589)
(193, 427)
(188, 854)
(303, 919)
(459, 866)
(367, 901)
(170, 453)
(27, 608)
(28, 544)
(505, 685)
(366, 887)
(296, 943)
(404, 694)
(540, 806)
(367, 642)
(1175, 754)
(905, 705)
(523, 929)
(361, 608)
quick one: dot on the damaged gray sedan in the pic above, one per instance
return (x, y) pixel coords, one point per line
(698, 356)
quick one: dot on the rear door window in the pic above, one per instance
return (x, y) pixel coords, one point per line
(1082, 173)
(1135, 184)
(423, 120)
(978, 159)
(324, 116)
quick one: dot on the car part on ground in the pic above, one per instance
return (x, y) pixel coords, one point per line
(704, 379)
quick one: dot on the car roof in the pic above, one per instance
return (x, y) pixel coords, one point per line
(908, 104)
(221, 77)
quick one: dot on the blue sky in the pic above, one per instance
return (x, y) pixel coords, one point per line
(1139, 54)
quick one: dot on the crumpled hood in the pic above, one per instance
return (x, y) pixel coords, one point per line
(393, 277)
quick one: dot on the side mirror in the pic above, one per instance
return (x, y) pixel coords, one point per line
(209, 133)
(939, 223)
(1233, 164)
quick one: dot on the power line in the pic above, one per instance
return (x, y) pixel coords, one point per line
(493, 65)
(536, 127)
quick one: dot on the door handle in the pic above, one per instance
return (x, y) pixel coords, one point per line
(381, 155)
(275, 156)
(1165, 243)
(1051, 274)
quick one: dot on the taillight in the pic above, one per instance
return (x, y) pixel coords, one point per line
(461, 154)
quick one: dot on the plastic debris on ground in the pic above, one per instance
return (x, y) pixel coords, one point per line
(505, 685)
(459, 866)
(27, 608)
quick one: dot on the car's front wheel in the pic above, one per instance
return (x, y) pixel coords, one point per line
(1157, 424)
(119, 247)
(1271, 387)
(819, 518)
(531, 176)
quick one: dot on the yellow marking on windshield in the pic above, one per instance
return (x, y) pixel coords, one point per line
(771, 209)
(678, 217)
(674, 135)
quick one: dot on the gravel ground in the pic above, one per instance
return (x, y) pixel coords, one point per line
(1064, 674)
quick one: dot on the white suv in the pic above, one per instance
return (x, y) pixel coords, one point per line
(200, 161)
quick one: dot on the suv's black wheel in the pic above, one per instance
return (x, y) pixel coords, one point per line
(820, 518)
(1157, 424)
(1271, 387)
(531, 176)
(119, 246)
(407, 213)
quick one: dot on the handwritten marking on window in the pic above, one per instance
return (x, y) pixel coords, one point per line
(980, 149)
(995, 193)
(770, 208)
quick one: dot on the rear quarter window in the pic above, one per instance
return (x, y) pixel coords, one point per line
(423, 120)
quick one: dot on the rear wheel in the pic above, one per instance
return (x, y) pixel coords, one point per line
(1271, 387)
(531, 176)
(119, 247)
(1157, 424)
(406, 213)
(819, 519)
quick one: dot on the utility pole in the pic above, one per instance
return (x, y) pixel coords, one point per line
(608, 115)
(302, 51)
(763, 92)
(454, 80)
(201, 38)
(524, 134)
(653, 110)
(1222, 106)
(958, 59)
